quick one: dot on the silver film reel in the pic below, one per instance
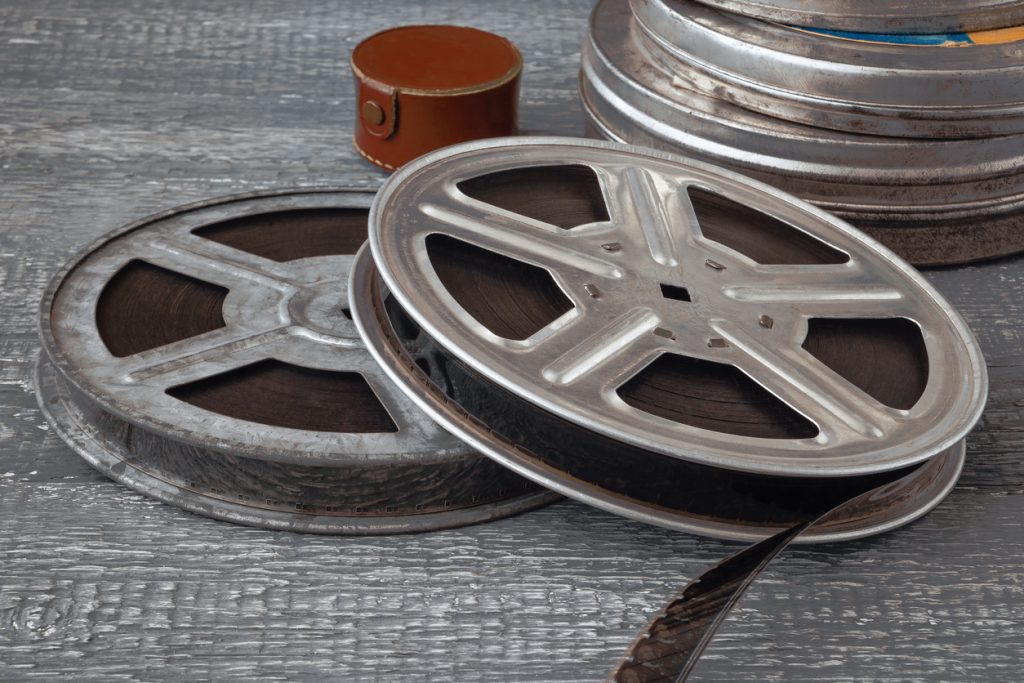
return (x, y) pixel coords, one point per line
(205, 356)
(664, 339)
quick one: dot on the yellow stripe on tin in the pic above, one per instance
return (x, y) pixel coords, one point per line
(997, 36)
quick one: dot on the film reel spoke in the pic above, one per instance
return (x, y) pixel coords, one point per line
(516, 236)
(198, 357)
(821, 294)
(592, 347)
(205, 259)
(658, 206)
(841, 412)
(872, 298)
(311, 272)
(215, 263)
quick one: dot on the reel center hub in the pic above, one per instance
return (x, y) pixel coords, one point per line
(323, 308)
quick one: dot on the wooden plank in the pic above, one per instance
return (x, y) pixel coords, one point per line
(112, 111)
(552, 595)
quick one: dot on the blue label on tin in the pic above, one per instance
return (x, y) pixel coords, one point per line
(951, 39)
(996, 36)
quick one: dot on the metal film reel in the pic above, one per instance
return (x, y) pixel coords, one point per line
(931, 201)
(665, 339)
(858, 86)
(882, 16)
(205, 357)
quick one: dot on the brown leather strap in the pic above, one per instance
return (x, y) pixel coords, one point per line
(373, 97)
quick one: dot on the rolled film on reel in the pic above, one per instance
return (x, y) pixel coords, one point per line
(485, 257)
(205, 357)
(668, 285)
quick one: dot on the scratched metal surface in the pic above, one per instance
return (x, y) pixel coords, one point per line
(109, 111)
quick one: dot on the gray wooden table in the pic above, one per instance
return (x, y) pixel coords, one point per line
(110, 111)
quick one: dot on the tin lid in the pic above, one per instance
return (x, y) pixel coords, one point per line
(419, 88)
(436, 59)
(882, 16)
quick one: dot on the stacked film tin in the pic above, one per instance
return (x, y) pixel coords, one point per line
(883, 16)
(914, 137)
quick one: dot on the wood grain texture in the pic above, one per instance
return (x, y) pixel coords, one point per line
(115, 110)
